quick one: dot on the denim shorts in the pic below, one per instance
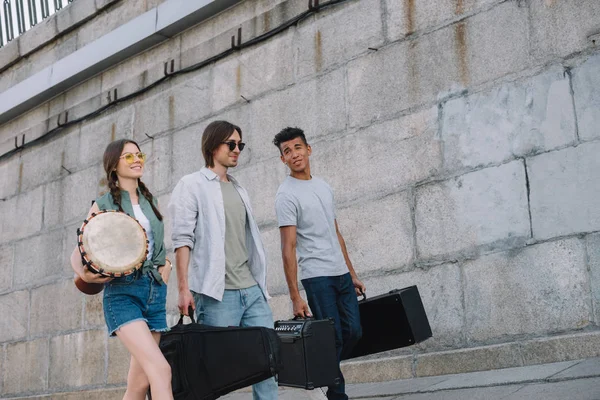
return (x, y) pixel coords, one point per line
(135, 297)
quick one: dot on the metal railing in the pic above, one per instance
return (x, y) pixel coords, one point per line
(18, 16)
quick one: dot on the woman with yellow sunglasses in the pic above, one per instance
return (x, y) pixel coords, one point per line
(135, 305)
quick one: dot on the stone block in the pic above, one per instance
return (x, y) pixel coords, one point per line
(379, 234)
(118, 15)
(483, 208)
(383, 370)
(276, 275)
(317, 106)
(123, 89)
(536, 290)
(586, 88)
(83, 92)
(39, 35)
(41, 164)
(494, 43)
(261, 181)
(47, 317)
(14, 308)
(410, 148)
(163, 202)
(154, 115)
(21, 216)
(34, 119)
(404, 17)
(53, 205)
(193, 99)
(37, 259)
(553, 179)
(398, 77)
(440, 289)
(560, 28)
(9, 53)
(97, 134)
(118, 362)
(10, 171)
(255, 70)
(93, 313)
(157, 173)
(593, 251)
(77, 359)
(101, 4)
(7, 260)
(79, 189)
(337, 35)
(281, 306)
(561, 348)
(75, 13)
(469, 360)
(28, 371)
(511, 120)
(100, 394)
(187, 151)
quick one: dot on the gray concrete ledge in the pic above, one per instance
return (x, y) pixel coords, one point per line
(134, 37)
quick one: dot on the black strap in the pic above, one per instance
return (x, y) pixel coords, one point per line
(190, 314)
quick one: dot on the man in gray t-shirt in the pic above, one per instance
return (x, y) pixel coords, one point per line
(311, 240)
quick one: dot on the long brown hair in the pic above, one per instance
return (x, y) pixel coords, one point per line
(214, 134)
(112, 155)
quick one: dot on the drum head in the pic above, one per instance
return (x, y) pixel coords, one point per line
(114, 242)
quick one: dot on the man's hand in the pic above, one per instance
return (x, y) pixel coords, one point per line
(301, 308)
(359, 287)
(186, 300)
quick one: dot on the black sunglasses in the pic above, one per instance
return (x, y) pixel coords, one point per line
(232, 145)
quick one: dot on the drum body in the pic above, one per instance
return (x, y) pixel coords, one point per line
(112, 243)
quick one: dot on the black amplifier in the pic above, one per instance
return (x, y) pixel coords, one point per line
(308, 353)
(391, 321)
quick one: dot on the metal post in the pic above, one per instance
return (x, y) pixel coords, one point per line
(57, 4)
(10, 35)
(20, 16)
(33, 18)
(45, 8)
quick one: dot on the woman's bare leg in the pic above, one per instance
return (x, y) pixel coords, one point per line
(148, 366)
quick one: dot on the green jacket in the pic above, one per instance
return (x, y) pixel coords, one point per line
(106, 202)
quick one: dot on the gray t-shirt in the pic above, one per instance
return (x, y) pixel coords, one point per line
(237, 271)
(309, 205)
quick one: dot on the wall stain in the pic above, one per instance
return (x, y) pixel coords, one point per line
(460, 7)
(171, 112)
(318, 51)
(113, 132)
(460, 32)
(20, 178)
(238, 80)
(409, 12)
(266, 21)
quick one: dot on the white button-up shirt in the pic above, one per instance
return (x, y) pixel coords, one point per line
(198, 220)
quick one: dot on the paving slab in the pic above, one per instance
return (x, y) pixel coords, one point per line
(503, 376)
(391, 388)
(580, 389)
(488, 393)
(581, 369)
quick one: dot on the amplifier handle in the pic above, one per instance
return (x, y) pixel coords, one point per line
(364, 295)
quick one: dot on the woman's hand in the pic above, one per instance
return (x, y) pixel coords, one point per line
(92, 277)
(165, 271)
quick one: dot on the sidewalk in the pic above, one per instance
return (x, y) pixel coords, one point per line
(571, 380)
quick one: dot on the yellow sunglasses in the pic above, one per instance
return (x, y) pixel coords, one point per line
(130, 157)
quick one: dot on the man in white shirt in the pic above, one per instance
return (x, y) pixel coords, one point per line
(221, 265)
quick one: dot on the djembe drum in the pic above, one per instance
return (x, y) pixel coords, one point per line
(111, 243)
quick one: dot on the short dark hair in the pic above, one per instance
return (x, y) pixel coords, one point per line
(287, 134)
(216, 133)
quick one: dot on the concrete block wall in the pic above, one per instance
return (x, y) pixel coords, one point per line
(460, 137)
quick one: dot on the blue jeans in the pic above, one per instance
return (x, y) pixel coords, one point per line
(242, 307)
(334, 297)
